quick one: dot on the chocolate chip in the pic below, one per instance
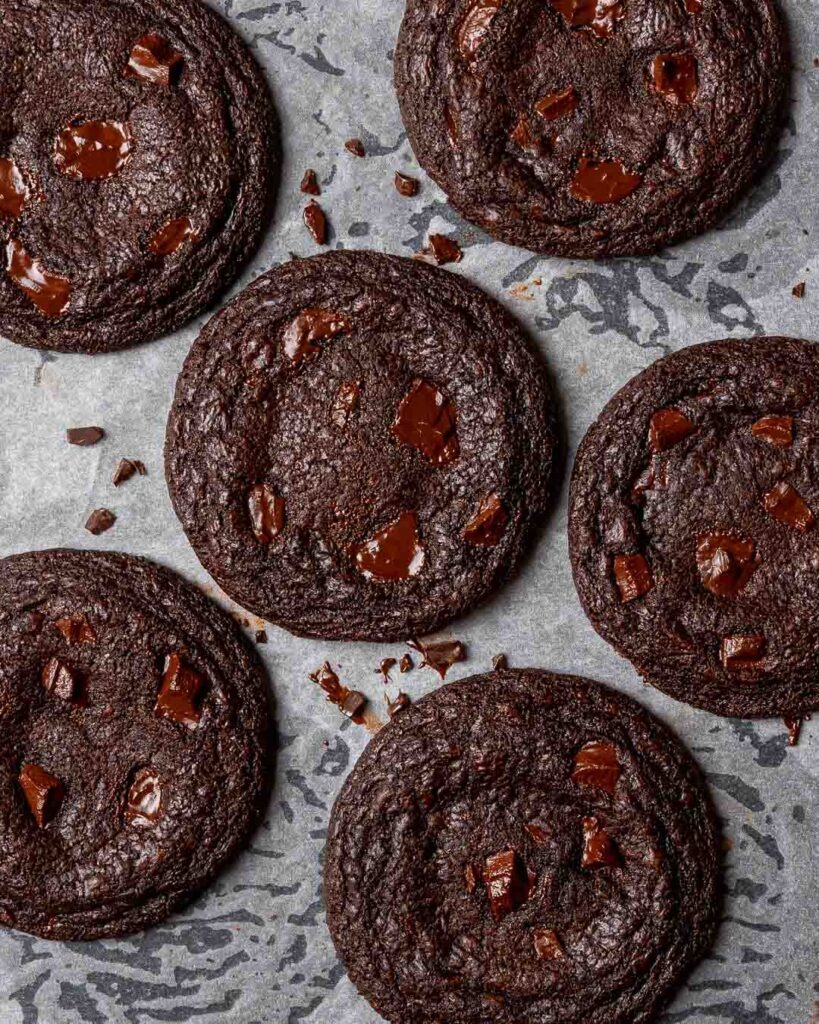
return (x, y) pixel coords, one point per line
(394, 706)
(76, 629)
(84, 437)
(507, 883)
(179, 694)
(406, 186)
(487, 526)
(794, 727)
(261, 636)
(603, 181)
(44, 793)
(60, 680)
(50, 293)
(316, 221)
(557, 104)
(667, 428)
(154, 60)
(90, 150)
(597, 766)
(599, 16)
(126, 468)
(426, 420)
(353, 704)
(440, 655)
(785, 504)
(144, 802)
(356, 147)
(474, 26)
(266, 513)
(598, 846)
(674, 77)
(385, 668)
(172, 236)
(350, 702)
(799, 290)
(392, 553)
(100, 520)
(312, 325)
(346, 402)
(442, 249)
(309, 183)
(500, 663)
(13, 189)
(632, 574)
(776, 430)
(547, 944)
(742, 652)
(725, 563)
(406, 664)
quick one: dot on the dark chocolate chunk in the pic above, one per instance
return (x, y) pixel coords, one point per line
(180, 694)
(394, 552)
(309, 183)
(474, 26)
(787, 506)
(384, 669)
(427, 420)
(487, 527)
(60, 680)
(725, 563)
(13, 189)
(44, 793)
(667, 428)
(312, 325)
(799, 290)
(143, 806)
(555, 105)
(500, 663)
(261, 636)
(603, 181)
(99, 521)
(794, 727)
(597, 766)
(266, 510)
(406, 664)
(674, 76)
(155, 60)
(442, 249)
(599, 16)
(394, 706)
(126, 468)
(738, 653)
(350, 702)
(406, 186)
(632, 574)
(76, 629)
(316, 221)
(598, 846)
(777, 430)
(172, 236)
(353, 704)
(84, 436)
(89, 150)
(507, 883)
(440, 655)
(50, 293)
(356, 147)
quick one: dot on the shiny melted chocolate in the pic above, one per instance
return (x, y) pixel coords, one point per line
(393, 553)
(90, 150)
(426, 420)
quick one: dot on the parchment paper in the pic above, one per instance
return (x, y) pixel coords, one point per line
(255, 948)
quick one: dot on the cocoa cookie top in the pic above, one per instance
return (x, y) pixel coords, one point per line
(136, 168)
(692, 525)
(136, 743)
(522, 847)
(360, 446)
(585, 129)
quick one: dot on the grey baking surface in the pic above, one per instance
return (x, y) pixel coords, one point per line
(255, 948)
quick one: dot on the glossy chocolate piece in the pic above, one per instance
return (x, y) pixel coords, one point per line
(100, 521)
(506, 881)
(316, 222)
(60, 680)
(143, 806)
(632, 574)
(312, 325)
(603, 181)
(154, 60)
(555, 105)
(351, 703)
(84, 437)
(172, 236)
(599, 850)
(474, 26)
(50, 293)
(674, 77)
(776, 430)
(393, 553)
(401, 702)
(599, 16)
(488, 525)
(356, 147)
(309, 183)
(43, 791)
(667, 428)
(76, 629)
(266, 509)
(13, 189)
(406, 663)
(440, 655)
(406, 186)
(442, 249)
(90, 150)
(127, 468)
(738, 653)
(427, 420)
(725, 563)
(784, 503)
(597, 766)
(179, 697)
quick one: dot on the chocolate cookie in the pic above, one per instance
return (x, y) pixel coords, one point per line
(360, 446)
(136, 743)
(136, 168)
(522, 847)
(587, 128)
(691, 525)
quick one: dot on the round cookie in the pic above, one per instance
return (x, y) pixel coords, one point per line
(691, 525)
(360, 446)
(592, 128)
(137, 743)
(136, 168)
(522, 847)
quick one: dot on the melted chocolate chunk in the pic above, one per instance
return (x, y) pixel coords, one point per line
(350, 702)
(500, 663)
(155, 60)
(126, 468)
(90, 150)
(179, 694)
(487, 527)
(310, 326)
(385, 668)
(13, 189)
(596, 765)
(742, 652)
(442, 249)
(44, 793)
(426, 420)
(266, 510)
(60, 680)
(100, 520)
(557, 104)
(786, 505)
(776, 430)
(667, 428)
(50, 293)
(406, 186)
(356, 147)
(76, 629)
(632, 574)
(84, 437)
(693, 6)
(406, 664)
(144, 802)
(172, 236)
(798, 290)
(474, 26)
(440, 655)
(674, 76)
(547, 945)
(794, 727)
(316, 222)
(346, 402)
(598, 846)
(725, 563)
(393, 553)
(600, 16)
(394, 706)
(507, 883)
(603, 181)
(309, 183)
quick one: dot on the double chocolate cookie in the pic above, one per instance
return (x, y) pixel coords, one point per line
(360, 446)
(692, 525)
(136, 743)
(522, 847)
(587, 128)
(136, 168)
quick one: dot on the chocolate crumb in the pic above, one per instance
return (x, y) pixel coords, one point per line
(316, 221)
(794, 727)
(406, 664)
(384, 668)
(799, 290)
(500, 662)
(261, 636)
(406, 186)
(441, 250)
(126, 468)
(84, 437)
(309, 183)
(394, 706)
(356, 147)
(99, 521)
